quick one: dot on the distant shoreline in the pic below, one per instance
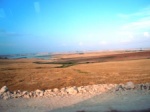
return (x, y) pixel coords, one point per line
(26, 56)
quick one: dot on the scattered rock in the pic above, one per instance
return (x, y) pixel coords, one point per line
(120, 88)
(24, 92)
(26, 96)
(102, 89)
(3, 89)
(72, 90)
(5, 97)
(41, 94)
(92, 89)
(81, 89)
(145, 86)
(48, 91)
(63, 91)
(129, 85)
(38, 91)
(56, 90)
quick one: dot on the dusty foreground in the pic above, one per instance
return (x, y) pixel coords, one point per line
(98, 98)
(60, 84)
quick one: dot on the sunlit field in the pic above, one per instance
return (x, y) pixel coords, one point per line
(25, 74)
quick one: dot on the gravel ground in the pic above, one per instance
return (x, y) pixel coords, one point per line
(108, 101)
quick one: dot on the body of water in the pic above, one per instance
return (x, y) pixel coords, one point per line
(32, 55)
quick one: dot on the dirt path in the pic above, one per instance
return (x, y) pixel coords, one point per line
(120, 100)
(110, 102)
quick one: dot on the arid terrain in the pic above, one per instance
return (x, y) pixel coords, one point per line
(116, 81)
(75, 69)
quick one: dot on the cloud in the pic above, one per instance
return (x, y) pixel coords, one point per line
(103, 43)
(125, 40)
(141, 13)
(37, 7)
(2, 13)
(138, 23)
(80, 43)
(141, 19)
(146, 34)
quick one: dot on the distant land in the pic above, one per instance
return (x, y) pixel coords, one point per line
(47, 55)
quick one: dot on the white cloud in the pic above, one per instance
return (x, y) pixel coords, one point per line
(103, 43)
(125, 40)
(125, 36)
(2, 13)
(146, 34)
(137, 25)
(37, 7)
(80, 43)
(139, 22)
(141, 13)
(90, 35)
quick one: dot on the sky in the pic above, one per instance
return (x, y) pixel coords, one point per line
(29, 26)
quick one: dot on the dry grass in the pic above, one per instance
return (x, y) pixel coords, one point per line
(24, 74)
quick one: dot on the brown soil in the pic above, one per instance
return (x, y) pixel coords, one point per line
(103, 57)
(117, 67)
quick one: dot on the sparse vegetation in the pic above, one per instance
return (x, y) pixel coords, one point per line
(80, 71)
(63, 64)
(57, 74)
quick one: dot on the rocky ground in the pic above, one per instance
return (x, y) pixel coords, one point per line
(92, 98)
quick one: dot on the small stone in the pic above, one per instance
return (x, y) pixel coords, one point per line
(63, 91)
(19, 95)
(119, 87)
(3, 89)
(18, 91)
(144, 87)
(24, 92)
(30, 93)
(48, 91)
(5, 97)
(26, 96)
(38, 91)
(82, 89)
(41, 94)
(79, 89)
(15, 92)
(72, 90)
(129, 85)
(102, 89)
(55, 90)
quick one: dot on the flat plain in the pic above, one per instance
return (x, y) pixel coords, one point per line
(75, 69)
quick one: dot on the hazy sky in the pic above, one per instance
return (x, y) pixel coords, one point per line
(73, 25)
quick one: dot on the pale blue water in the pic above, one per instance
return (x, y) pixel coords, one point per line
(31, 55)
